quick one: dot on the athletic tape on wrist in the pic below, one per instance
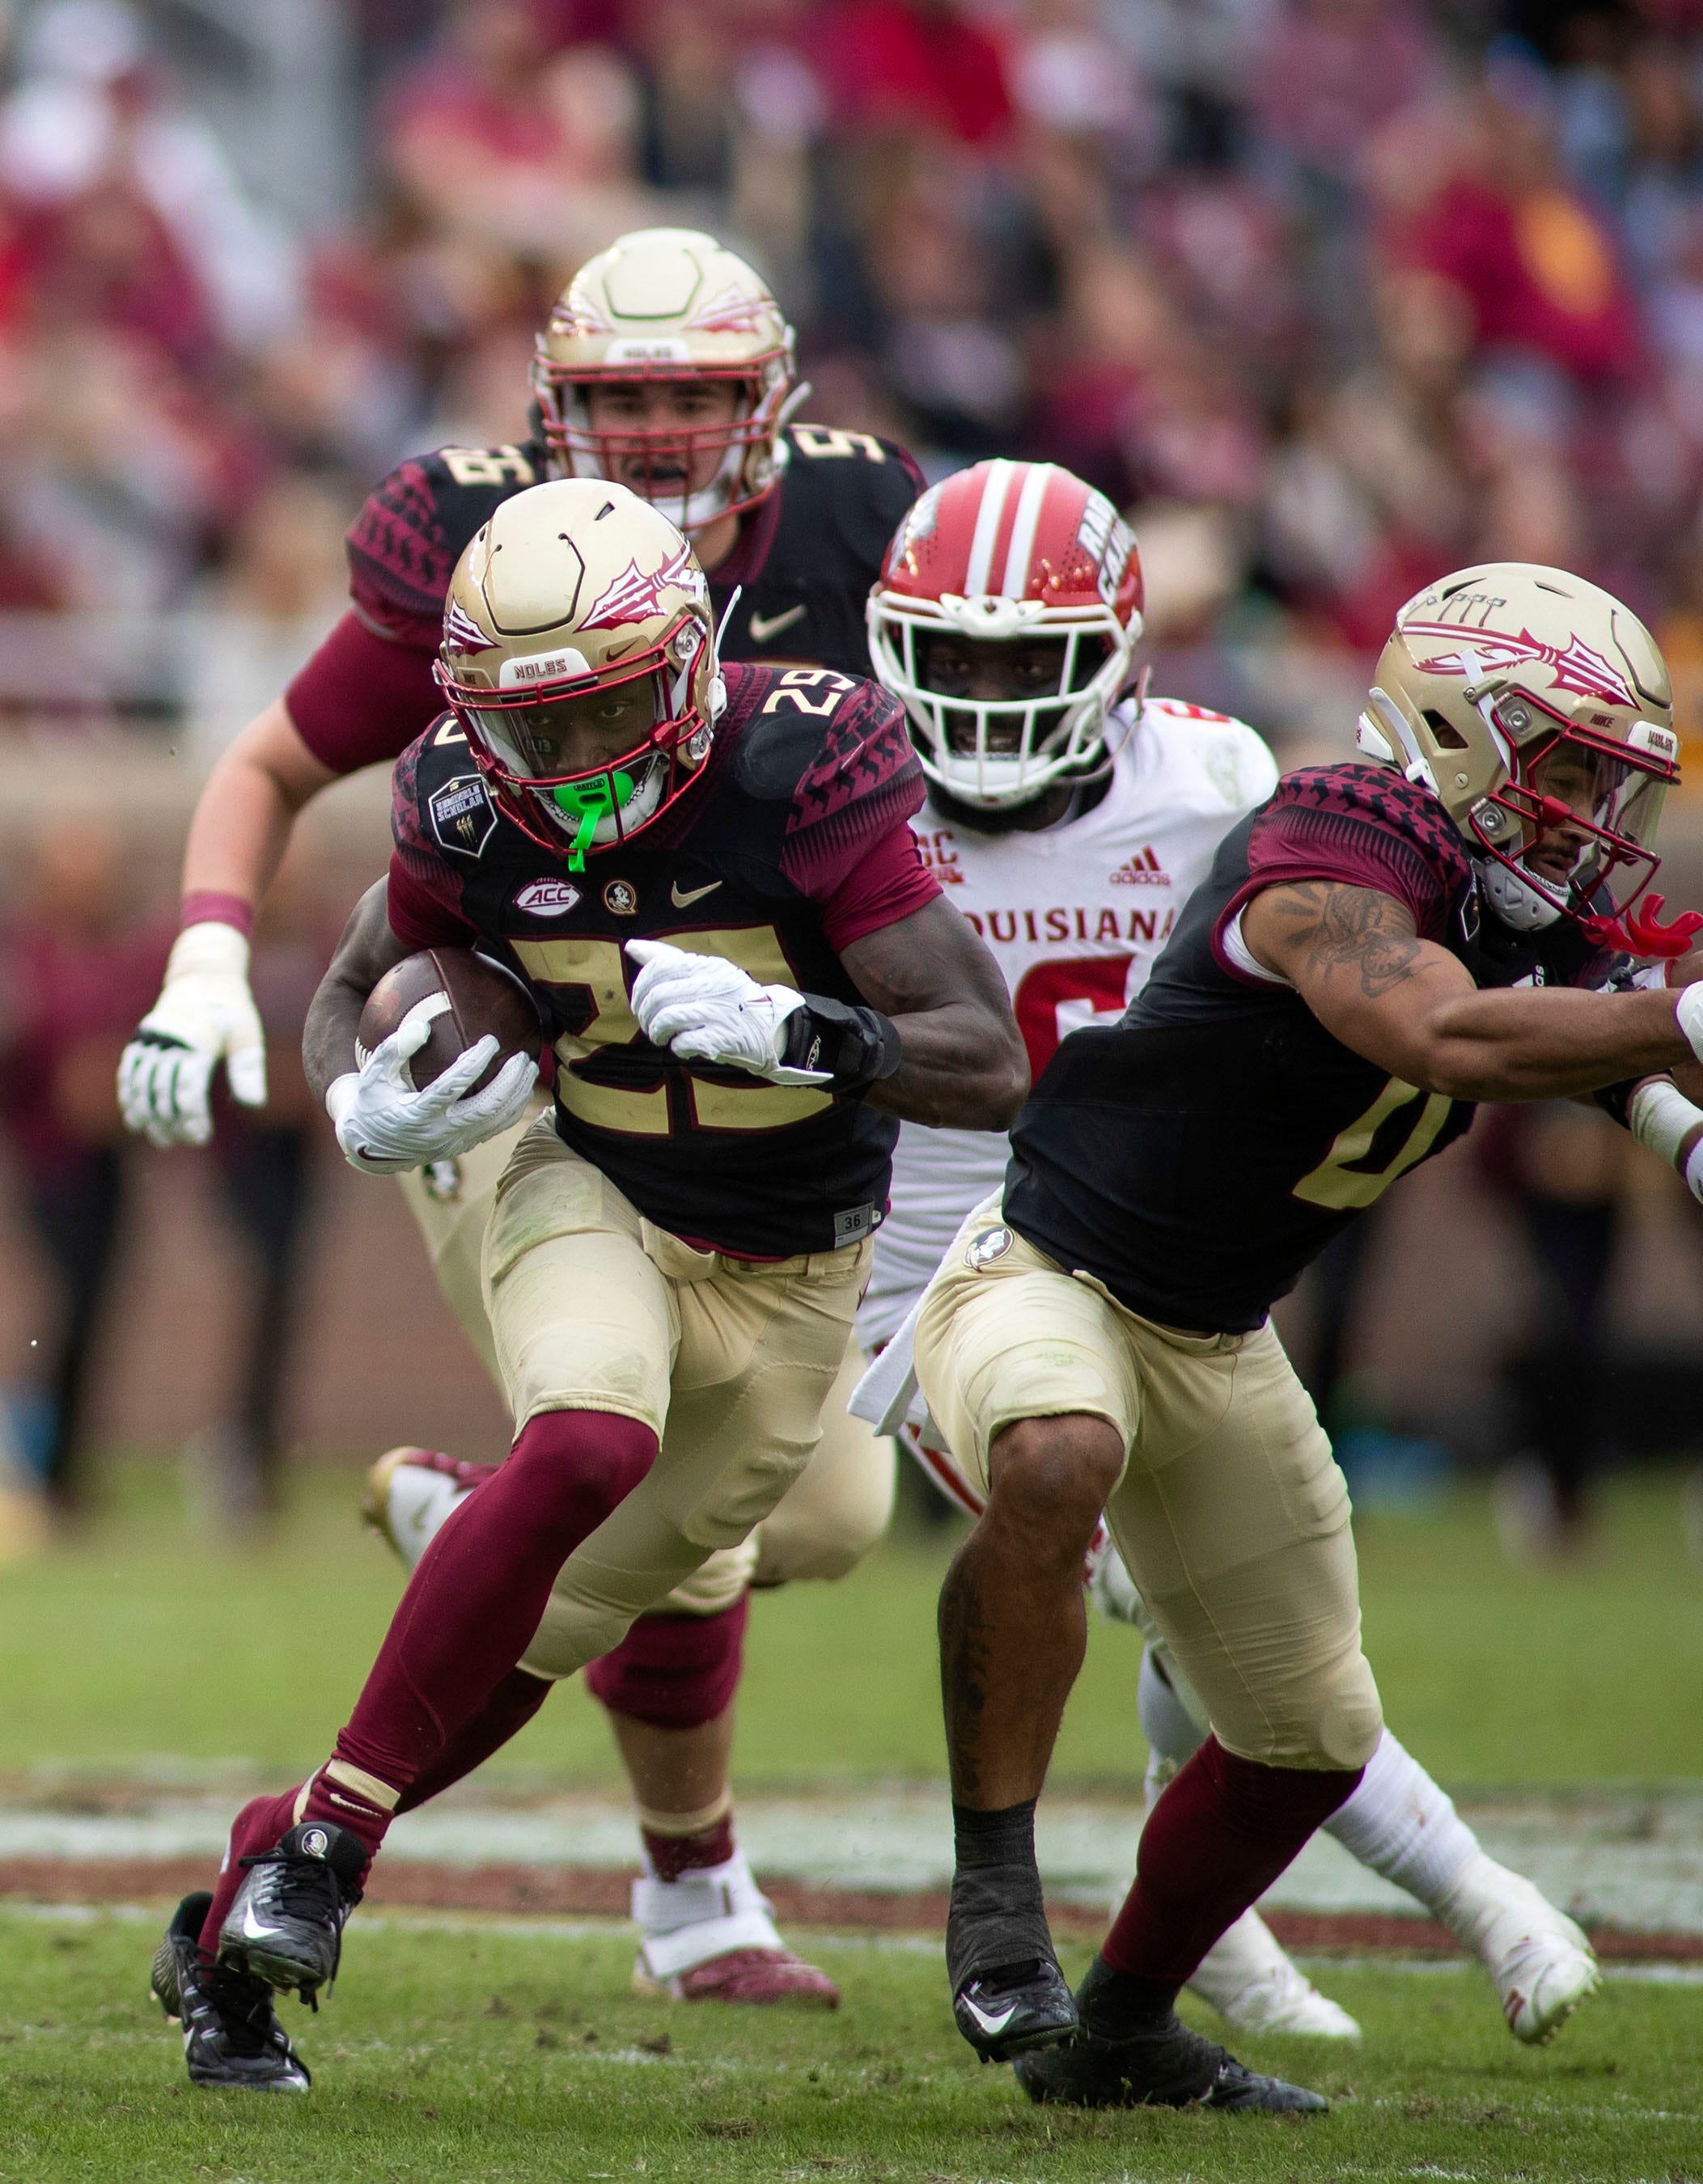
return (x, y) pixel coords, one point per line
(1660, 1116)
(1688, 1014)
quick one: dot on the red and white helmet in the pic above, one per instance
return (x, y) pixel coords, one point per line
(1009, 552)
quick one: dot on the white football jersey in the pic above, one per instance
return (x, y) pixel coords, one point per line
(1075, 917)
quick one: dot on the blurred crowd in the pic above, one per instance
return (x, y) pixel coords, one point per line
(1329, 290)
(1332, 295)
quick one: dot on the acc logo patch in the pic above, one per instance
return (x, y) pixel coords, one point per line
(463, 817)
(983, 1250)
(546, 898)
(621, 899)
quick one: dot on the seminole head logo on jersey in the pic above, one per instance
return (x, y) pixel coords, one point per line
(580, 656)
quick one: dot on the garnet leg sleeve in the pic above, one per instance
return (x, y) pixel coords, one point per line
(1214, 1842)
(473, 1605)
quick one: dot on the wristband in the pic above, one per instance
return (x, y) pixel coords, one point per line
(857, 1046)
(209, 906)
(1661, 1117)
(1688, 1014)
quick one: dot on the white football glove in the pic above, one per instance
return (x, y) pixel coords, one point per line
(384, 1125)
(705, 1009)
(205, 1015)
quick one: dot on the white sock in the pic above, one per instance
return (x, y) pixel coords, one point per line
(1401, 1826)
(1167, 1724)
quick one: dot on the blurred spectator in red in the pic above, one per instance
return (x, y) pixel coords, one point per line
(75, 972)
(127, 193)
(493, 136)
(1332, 72)
(1537, 266)
(911, 63)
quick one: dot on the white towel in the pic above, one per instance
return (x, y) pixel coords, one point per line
(888, 1395)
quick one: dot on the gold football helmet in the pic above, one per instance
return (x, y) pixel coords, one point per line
(668, 305)
(579, 655)
(1538, 710)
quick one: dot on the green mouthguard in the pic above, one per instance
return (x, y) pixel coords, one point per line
(589, 801)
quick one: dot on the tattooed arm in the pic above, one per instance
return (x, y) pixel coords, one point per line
(1354, 957)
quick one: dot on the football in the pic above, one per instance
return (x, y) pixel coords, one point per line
(483, 997)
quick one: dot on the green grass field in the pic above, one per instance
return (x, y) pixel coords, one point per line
(451, 2053)
(493, 2050)
(139, 1644)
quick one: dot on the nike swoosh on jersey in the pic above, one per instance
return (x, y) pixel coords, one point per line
(764, 627)
(989, 2024)
(681, 897)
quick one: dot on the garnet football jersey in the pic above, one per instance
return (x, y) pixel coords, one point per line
(1075, 917)
(1196, 1156)
(794, 844)
(803, 563)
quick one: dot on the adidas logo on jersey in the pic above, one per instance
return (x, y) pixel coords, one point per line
(1143, 870)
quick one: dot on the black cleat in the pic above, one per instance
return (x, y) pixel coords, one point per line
(285, 1925)
(231, 2036)
(1015, 2008)
(1170, 2067)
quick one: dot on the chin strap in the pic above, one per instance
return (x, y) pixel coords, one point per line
(1639, 930)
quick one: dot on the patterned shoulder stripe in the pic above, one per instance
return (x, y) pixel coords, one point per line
(864, 748)
(397, 539)
(1385, 797)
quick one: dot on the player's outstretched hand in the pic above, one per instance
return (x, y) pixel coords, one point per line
(384, 1125)
(705, 1009)
(205, 1015)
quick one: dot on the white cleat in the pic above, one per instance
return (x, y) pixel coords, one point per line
(1539, 1959)
(710, 1936)
(410, 1492)
(1250, 1980)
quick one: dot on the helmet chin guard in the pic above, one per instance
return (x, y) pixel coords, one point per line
(1522, 907)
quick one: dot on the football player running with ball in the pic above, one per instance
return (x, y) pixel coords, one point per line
(667, 365)
(1379, 946)
(1070, 820)
(676, 1253)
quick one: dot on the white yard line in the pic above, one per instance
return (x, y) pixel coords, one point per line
(1632, 1861)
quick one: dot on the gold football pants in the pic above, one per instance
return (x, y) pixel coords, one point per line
(1230, 1512)
(830, 1516)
